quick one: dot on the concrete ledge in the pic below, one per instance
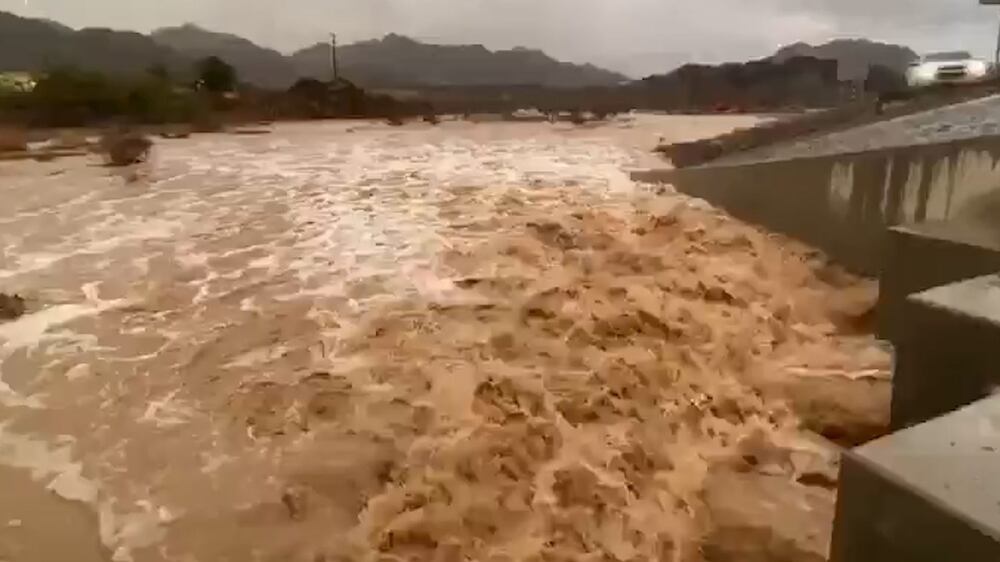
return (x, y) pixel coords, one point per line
(926, 494)
(947, 350)
(925, 255)
(842, 204)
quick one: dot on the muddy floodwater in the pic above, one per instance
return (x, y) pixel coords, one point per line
(350, 341)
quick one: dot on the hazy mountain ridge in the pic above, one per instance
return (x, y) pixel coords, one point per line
(36, 45)
(393, 61)
(400, 61)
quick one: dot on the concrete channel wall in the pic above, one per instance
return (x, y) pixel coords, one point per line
(844, 203)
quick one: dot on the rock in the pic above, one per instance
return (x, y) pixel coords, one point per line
(13, 140)
(295, 500)
(11, 306)
(759, 518)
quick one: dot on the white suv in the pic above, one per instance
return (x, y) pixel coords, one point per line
(946, 68)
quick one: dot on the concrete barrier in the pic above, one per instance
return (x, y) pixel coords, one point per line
(843, 204)
(947, 350)
(926, 494)
(924, 255)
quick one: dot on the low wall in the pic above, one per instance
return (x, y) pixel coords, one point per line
(844, 203)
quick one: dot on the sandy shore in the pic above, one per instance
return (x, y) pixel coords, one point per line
(357, 342)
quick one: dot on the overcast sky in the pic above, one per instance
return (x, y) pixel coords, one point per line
(637, 37)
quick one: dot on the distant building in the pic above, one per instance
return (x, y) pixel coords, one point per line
(17, 82)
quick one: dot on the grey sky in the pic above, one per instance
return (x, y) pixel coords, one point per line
(634, 36)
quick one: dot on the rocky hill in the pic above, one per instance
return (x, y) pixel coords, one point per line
(854, 56)
(400, 61)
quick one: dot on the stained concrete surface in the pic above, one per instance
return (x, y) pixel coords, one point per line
(842, 204)
(926, 494)
(947, 350)
(924, 255)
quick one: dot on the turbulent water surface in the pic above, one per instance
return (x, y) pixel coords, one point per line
(359, 342)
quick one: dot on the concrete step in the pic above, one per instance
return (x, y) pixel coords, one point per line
(920, 256)
(929, 493)
(947, 350)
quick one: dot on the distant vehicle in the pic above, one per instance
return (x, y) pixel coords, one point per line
(957, 67)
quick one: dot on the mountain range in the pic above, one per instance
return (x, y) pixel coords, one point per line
(854, 56)
(393, 61)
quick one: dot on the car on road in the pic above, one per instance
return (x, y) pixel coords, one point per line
(955, 67)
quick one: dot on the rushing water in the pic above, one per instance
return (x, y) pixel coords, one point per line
(353, 341)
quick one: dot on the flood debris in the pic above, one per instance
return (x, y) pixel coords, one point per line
(176, 133)
(70, 139)
(251, 131)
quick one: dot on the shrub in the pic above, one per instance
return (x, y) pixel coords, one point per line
(124, 148)
(206, 122)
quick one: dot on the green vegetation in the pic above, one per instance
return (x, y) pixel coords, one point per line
(68, 97)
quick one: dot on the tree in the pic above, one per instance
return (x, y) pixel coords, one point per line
(883, 80)
(159, 71)
(215, 75)
(70, 97)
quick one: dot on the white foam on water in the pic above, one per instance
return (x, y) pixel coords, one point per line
(167, 411)
(53, 464)
(30, 329)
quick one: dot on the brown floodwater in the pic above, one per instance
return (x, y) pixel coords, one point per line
(350, 341)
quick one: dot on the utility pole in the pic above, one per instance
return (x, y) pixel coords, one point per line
(333, 57)
(996, 54)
